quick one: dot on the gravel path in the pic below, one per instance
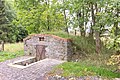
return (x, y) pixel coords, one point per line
(34, 72)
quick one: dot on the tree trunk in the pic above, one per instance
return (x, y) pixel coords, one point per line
(80, 14)
(48, 17)
(78, 18)
(48, 27)
(1, 5)
(93, 18)
(2, 46)
(83, 16)
(65, 19)
(97, 35)
(116, 28)
(98, 42)
(116, 23)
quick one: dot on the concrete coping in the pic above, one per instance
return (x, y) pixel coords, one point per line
(21, 66)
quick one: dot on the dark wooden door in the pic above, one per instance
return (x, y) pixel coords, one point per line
(40, 52)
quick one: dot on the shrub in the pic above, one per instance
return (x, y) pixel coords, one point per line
(115, 60)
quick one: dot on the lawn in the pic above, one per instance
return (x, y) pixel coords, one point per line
(77, 69)
(11, 51)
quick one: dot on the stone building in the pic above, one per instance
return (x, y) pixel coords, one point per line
(48, 46)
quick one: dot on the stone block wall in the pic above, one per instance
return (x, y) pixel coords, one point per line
(56, 47)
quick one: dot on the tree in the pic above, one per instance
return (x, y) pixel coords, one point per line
(9, 32)
(40, 17)
(114, 19)
(4, 26)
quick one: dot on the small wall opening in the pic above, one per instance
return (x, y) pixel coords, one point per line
(41, 38)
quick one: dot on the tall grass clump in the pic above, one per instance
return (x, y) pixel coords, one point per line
(12, 50)
(14, 47)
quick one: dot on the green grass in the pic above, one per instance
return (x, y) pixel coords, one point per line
(78, 69)
(12, 51)
(9, 55)
(59, 33)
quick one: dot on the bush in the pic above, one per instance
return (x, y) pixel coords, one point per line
(115, 60)
(114, 43)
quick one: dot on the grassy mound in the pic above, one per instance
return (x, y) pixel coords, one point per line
(59, 33)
